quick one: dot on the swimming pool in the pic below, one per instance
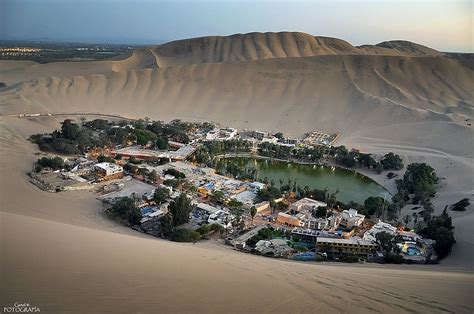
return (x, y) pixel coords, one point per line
(413, 251)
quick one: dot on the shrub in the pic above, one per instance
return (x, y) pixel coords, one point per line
(392, 258)
(175, 173)
(54, 163)
(126, 209)
(461, 205)
(185, 235)
(391, 162)
(350, 259)
(300, 248)
(171, 182)
(296, 238)
(103, 158)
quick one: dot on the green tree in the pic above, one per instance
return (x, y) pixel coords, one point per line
(440, 228)
(378, 167)
(321, 212)
(253, 212)
(180, 208)
(166, 223)
(55, 163)
(162, 142)
(175, 173)
(385, 240)
(70, 130)
(185, 235)
(420, 179)
(103, 158)
(279, 135)
(217, 197)
(126, 209)
(153, 176)
(374, 206)
(160, 195)
(144, 136)
(268, 193)
(391, 162)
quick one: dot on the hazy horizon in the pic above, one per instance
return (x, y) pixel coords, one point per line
(442, 25)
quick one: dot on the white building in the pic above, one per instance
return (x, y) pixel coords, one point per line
(334, 220)
(108, 169)
(315, 223)
(256, 186)
(227, 133)
(350, 218)
(380, 226)
(212, 135)
(221, 218)
(223, 134)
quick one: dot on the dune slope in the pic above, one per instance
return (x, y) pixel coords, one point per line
(394, 96)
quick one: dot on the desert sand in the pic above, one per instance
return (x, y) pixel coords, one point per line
(60, 253)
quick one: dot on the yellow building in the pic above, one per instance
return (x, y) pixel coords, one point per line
(288, 220)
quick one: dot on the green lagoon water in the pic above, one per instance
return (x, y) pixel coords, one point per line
(352, 186)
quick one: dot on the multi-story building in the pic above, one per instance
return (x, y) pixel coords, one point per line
(352, 246)
(108, 170)
(350, 219)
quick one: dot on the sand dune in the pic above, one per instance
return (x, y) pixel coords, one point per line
(95, 271)
(58, 250)
(338, 93)
(257, 46)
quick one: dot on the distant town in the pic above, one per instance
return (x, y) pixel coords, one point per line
(45, 52)
(178, 181)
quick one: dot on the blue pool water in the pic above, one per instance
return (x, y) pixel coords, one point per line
(413, 251)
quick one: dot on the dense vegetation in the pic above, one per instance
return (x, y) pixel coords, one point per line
(440, 228)
(175, 173)
(269, 193)
(73, 138)
(206, 153)
(126, 209)
(160, 195)
(54, 163)
(354, 158)
(179, 211)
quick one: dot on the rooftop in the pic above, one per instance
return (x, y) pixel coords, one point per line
(356, 241)
(108, 166)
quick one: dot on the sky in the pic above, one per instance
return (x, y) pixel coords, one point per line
(443, 24)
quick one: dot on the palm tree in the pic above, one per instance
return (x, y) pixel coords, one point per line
(326, 191)
(307, 190)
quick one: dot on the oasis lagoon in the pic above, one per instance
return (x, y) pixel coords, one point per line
(352, 185)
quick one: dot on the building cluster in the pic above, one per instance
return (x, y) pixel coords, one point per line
(338, 234)
(307, 223)
(267, 137)
(221, 134)
(319, 138)
(84, 174)
(147, 154)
